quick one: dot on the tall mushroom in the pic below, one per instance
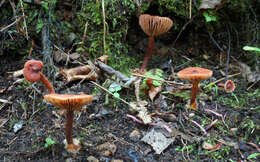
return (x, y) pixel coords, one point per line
(32, 73)
(70, 103)
(153, 26)
(194, 75)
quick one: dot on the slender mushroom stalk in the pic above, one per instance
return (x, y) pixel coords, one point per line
(148, 53)
(153, 26)
(194, 75)
(70, 103)
(194, 91)
(32, 73)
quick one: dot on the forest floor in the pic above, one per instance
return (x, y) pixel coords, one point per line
(108, 130)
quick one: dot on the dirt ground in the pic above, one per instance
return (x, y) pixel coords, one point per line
(233, 126)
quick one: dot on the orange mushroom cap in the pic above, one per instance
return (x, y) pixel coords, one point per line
(154, 25)
(31, 70)
(65, 101)
(194, 74)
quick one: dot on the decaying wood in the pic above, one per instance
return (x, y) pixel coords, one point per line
(118, 74)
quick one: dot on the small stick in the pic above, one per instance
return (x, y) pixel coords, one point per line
(194, 122)
(254, 145)
(229, 76)
(213, 112)
(13, 23)
(104, 26)
(252, 85)
(190, 7)
(124, 101)
(24, 22)
(134, 118)
(153, 124)
(85, 32)
(183, 28)
(166, 81)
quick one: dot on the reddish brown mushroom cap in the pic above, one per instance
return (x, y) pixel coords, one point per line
(65, 101)
(31, 70)
(194, 74)
(154, 25)
(229, 86)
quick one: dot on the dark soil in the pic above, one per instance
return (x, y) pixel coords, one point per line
(100, 123)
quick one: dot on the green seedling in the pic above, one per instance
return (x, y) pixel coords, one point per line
(209, 16)
(49, 142)
(114, 88)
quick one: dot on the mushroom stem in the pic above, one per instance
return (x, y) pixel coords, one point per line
(148, 53)
(69, 123)
(47, 83)
(195, 87)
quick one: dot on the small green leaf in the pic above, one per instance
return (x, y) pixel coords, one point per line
(253, 155)
(208, 17)
(156, 83)
(39, 25)
(156, 74)
(249, 48)
(118, 88)
(112, 89)
(116, 95)
(49, 142)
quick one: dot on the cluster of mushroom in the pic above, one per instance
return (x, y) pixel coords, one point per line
(156, 25)
(69, 102)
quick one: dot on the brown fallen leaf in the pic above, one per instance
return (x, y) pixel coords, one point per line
(212, 4)
(209, 146)
(140, 108)
(248, 74)
(107, 149)
(153, 91)
(86, 72)
(59, 56)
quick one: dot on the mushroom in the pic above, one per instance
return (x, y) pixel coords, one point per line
(229, 86)
(153, 26)
(32, 73)
(70, 103)
(194, 75)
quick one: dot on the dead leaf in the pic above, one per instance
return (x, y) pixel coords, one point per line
(140, 108)
(209, 146)
(146, 118)
(103, 58)
(74, 56)
(2, 122)
(86, 72)
(153, 91)
(157, 140)
(248, 74)
(211, 4)
(59, 56)
(107, 149)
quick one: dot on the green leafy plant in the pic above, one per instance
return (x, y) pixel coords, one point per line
(114, 88)
(209, 16)
(49, 142)
(157, 75)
